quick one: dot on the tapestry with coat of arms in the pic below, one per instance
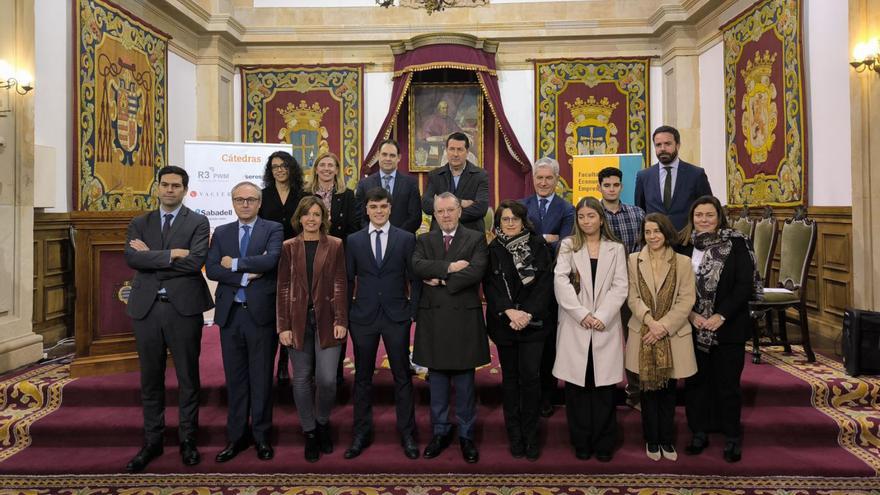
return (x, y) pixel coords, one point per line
(120, 131)
(590, 107)
(766, 121)
(316, 108)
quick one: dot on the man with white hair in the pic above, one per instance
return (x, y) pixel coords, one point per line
(553, 217)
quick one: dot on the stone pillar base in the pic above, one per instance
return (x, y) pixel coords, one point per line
(19, 351)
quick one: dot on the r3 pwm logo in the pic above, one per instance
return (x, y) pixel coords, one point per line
(211, 175)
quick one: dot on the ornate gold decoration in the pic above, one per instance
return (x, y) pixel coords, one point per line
(432, 6)
(759, 106)
(590, 130)
(304, 130)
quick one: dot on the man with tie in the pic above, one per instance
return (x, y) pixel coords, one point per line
(450, 335)
(402, 188)
(243, 259)
(553, 217)
(167, 248)
(672, 185)
(469, 183)
(379, 263)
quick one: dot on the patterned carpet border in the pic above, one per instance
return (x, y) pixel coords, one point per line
(853, 402)
(24, 400)
(313, 484)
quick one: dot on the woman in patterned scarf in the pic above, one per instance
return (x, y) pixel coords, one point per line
(726, 280)
(659, 347)
(520, 312)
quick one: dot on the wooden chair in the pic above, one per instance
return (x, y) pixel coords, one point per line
(744, 224)
(796, 251)
(764, 237)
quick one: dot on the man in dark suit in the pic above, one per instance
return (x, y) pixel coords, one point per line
(243, 259)
(671, 186)
(469, 183)
(450, 335)
(403, 189)
(168, 295)
(378, 260)
(553, 217)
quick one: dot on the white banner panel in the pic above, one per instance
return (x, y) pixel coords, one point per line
(215, 167)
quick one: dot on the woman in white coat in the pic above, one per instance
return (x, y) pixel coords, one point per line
(590, 283)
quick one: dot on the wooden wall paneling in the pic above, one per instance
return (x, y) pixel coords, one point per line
(54, 290)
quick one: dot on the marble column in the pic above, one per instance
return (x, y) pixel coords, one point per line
(681, 89)
(214, 76)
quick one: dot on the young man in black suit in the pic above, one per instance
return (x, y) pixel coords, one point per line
(168, 295)
(402, 188)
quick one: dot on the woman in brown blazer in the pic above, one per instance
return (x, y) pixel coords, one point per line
(312, 319)
(659, 348)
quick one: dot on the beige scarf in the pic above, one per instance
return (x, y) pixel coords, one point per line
(655, 360)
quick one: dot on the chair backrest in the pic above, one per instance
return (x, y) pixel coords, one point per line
(798, 244)
(764, 242)
(745, 226)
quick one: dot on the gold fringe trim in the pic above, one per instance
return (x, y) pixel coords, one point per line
(445, 65)
(386, 133)
(498, 125)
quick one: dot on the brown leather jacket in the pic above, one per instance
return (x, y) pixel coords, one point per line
(329, 289)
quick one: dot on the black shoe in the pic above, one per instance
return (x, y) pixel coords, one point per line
(697, 445)
(313, 446)
(517, 448)
(232, 449)
(582, 454)
(325, 438)
(143, 457)
(189, 454)
(533, 451)
(410, 447)
(469, 451)
(264, 451)
(547, 410)
(732, 451)
(604, 456)
(437, 445)
(358, 444)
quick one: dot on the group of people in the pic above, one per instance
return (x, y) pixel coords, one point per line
(578, 293)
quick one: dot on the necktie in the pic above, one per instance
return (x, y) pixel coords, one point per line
(447, 240)
(386, 183)
(543, 207)
(378, 233)
(667, 188)
(166, 227)
(242, 251)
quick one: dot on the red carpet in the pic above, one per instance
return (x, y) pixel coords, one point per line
(98, 428)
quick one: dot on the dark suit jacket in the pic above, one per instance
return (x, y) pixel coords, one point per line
(406, 211)
(450, 330)
(262, 255)
(690, 183)
(382, 288)
(344, 216)
(473, 185)
(329, 290)
(559, 219)
(504, 290)
(735, 287)
(272, 209)
(182, 279)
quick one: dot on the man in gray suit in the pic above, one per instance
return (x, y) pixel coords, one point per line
(168, 295)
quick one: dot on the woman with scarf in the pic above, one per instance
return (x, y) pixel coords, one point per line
(659, 348)
(726, 280)
(520, 311)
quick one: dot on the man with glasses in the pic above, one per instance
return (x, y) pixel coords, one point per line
(243, 259)
(167, 248)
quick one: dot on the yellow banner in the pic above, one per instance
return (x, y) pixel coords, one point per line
(585, 172)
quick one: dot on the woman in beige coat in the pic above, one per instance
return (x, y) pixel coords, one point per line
(659, 347)
(590, 285)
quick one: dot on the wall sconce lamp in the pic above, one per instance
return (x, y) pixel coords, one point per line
(866, 56)
(22, 83)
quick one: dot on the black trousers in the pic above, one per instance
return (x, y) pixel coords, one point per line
(658, 414)
(549, 383)
(714, 397)
(248, 358)
(592, 415)
(162, 329)
(521, 389)
(395, 337)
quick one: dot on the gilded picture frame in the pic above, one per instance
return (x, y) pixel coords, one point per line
(435, 112)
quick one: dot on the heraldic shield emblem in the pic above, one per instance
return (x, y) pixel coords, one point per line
(759, 114)
(126, 113)
(591, 131)
(303, 130)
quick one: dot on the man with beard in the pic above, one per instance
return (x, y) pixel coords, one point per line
(669, 187)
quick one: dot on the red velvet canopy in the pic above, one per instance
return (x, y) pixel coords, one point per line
(432, 58)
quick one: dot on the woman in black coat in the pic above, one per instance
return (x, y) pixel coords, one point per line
(282, 190)
(726, 280)
(520, 311)
(327, 181)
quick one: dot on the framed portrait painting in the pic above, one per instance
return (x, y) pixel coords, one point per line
(435, 112)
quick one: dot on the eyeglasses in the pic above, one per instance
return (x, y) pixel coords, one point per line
(511, 219)
(241, 201)
(279, 167)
